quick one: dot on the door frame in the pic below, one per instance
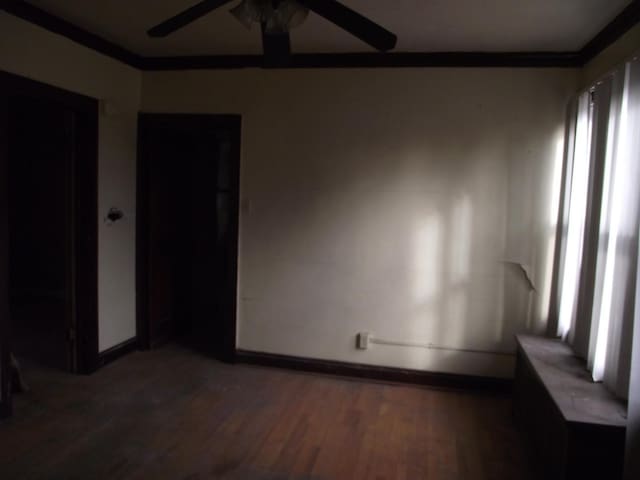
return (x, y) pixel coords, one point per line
(146, 122)
(82, 264)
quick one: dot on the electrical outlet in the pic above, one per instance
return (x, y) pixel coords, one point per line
(363, 340)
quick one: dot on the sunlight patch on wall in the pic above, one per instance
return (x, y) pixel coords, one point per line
(427, 259)
(461, 235)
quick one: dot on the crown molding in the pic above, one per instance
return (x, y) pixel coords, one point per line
(37, 16)
(629, 17)
(368, 60)
(620, 25)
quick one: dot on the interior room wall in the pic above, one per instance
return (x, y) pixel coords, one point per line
(406, 203)
(35, 53)
(387, 161)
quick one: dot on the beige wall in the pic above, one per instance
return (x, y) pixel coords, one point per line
(52, 59)
(388, 201)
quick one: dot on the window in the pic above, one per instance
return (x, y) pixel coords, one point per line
(598, 261)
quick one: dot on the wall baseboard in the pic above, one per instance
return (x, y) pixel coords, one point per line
(378, 373)
(117, 351)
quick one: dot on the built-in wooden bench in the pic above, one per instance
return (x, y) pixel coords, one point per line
(576, 427)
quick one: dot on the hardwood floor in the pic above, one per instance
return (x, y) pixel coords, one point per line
(173, 414)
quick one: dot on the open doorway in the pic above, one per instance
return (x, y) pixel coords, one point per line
(40, 229)
(48, 299)
(188, 184)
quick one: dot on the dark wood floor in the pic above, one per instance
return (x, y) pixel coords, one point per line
(172, 414)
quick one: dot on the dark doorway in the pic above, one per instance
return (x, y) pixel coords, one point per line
(48, 217)
(40, 226)
(188, 184)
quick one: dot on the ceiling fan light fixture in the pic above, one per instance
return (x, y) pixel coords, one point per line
(291, 13)
(246, 12)
(278, 16)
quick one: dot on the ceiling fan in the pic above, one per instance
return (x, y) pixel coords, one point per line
(277, 17)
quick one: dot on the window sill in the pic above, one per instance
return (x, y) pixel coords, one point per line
(575, 426)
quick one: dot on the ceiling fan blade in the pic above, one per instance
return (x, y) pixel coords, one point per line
(185, 17)
(354, 23)
(276, 47)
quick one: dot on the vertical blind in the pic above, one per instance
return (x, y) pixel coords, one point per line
(599, 226)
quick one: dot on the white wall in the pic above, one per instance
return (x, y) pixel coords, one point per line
(388, 201)
(35, 53)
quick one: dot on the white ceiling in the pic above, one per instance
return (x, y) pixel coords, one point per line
(421, 25)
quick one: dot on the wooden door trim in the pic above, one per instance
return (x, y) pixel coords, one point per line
(85, 214)
(5, 381)
(147, 121)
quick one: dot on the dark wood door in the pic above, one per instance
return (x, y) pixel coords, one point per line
(188, 213)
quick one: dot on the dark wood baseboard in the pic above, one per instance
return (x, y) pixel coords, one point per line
(374, 372)
(117, 351)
